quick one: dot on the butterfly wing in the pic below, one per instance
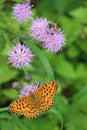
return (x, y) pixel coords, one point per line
(46, 94)
(24, 106)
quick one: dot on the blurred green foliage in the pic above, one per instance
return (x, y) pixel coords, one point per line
(69, 66)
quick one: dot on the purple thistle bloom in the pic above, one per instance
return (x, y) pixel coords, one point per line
(54, 40)
(22, 12)
(38, 28)
(20, 56)
(25, 91)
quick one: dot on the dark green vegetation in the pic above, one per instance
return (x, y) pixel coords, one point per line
(69, 66)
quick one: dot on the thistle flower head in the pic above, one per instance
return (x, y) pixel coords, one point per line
(25, 91)
(38, 28)
(22, 12)
(54, 40)
(20, 56)
(27, 78)
(16, 85)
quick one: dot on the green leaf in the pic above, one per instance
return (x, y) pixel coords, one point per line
(73, 52)
(78, 111)
(10, 93)
(43, 7)
(59, 116)
(74, 4)
(81, 71)
(80, 14)
(64, 67)
(6, 73)
(61, 104)
(83, 45)
(71, 28)
(2, 40)
(3, 109)
(43, 123)
(61, 6)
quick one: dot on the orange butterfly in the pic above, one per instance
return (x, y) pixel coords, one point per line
(38, 101)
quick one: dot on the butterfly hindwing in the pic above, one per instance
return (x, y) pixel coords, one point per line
(31, 112)
(18, 106)
(24, 106)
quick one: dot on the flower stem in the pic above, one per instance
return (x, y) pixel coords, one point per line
(3, 109)
(42, 58)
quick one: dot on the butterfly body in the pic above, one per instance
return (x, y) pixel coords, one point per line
(38, 101)
(34, 99)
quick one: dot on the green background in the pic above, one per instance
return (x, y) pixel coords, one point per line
(68, 67)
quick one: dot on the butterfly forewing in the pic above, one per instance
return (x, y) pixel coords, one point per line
(46, 95)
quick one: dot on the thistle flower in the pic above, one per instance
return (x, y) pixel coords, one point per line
(25, 91)
(38, 28)
(20, 56)
(54, 40)
(22, 12)
(27, 78)
(16, 85)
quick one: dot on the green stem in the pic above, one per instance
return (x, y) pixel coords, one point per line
(42, 58)
(58, 114)
(4, 109)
